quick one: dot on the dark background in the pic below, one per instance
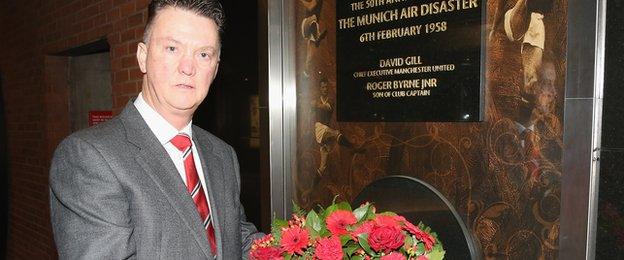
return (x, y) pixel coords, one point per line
(225, 112)
(610, 232)
(4, 180)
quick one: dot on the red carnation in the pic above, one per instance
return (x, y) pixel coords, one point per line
(365, 228)
(393, 256)
(385, 238)
(266, 253)
(423, 236)
(388, 220)
(294, 240)
(427, 239)
(328, 249)
(338, 221)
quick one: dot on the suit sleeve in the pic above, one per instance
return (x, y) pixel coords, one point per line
(89, 209)
(248, 230)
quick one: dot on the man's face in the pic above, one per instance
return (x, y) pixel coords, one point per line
(323, 89)
(180, 61)
(547, 94)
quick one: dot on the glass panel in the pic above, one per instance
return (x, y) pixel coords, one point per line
(502, 175)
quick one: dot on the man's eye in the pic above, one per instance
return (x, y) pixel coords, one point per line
(204, 55)
(171, 48)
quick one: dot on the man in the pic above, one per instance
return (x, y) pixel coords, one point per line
(147, 184)
(525, 23)
(541, 119)
(522, 25)
(524, 30)
(326, 136)
(310, 30)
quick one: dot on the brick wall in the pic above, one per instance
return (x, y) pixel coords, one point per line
(36, 95)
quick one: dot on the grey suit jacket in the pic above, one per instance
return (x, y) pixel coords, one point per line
(116, 194)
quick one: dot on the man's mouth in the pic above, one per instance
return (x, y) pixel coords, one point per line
(186, 86)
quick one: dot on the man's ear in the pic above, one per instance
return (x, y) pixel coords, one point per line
(214, 75)
(142, 56)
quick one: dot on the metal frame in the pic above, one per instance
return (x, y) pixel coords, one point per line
(583, 127)
(599, 68)
(282, 104)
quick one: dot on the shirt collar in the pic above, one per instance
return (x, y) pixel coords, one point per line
(521, 128)
(163, 130)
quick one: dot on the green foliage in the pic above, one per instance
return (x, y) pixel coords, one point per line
(330, 210)
(420, 248)
(298, 210)
(313, 223)
(349, 250)
(276, 228)
(361, 212)
(343, 206)
(344, 239)
(437, 253)
(388, 213)
(409, 241)
(363, 240)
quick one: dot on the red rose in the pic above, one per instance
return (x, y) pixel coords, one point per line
(422, 257)
(266, 253)
(328, 249)
(338, 221)
(294, 240)
(385, 238)
(394, 256)
(423, 236)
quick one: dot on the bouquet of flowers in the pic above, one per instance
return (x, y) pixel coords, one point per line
(337, 232)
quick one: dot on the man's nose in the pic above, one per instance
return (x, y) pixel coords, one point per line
(187, 65)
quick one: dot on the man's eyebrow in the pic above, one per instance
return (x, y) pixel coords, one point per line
(168, 39)
(208, 47)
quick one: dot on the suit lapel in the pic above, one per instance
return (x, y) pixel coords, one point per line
(212, 166)
(157, 164)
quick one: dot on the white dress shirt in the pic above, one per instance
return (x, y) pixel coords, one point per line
(165, 132)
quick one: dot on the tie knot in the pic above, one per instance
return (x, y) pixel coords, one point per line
(181, 141)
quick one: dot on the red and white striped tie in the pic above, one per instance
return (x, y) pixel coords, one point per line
(194, 187)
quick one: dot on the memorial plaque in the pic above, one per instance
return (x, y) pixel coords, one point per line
(409, 60)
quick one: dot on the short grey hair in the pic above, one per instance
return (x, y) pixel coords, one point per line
(207, 8)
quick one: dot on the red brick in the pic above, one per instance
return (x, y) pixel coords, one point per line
(99, 19)
(37, 97)
(135, 74)
(119, 51)
(106, 5)
(116, 64)
(87, 25)
(127, 9)
(142, 4)
(114, 37)
(113, 15)
(139, 32)
(128, 62)
(88, 11)
(120, 76)
(105, 29)
(128, 35)
(135, 20)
